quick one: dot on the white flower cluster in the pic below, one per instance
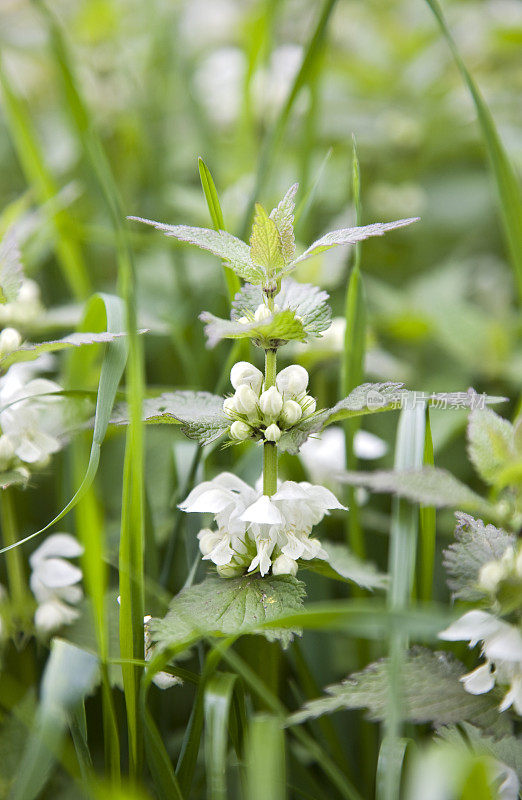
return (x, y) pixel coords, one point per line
(30, 418)
(264, 414)
(257, 532)
(509, 568)
(54, 582)
(502, 649)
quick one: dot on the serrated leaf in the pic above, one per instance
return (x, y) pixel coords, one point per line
(349, 236)
(234, 252)
(490, 443)
(274, 331)
(431, 692)
(476, 545)
(11, 272)
(200, 414)
(429, 485)
(229, 606)
(283, 216)
(265, 244)
(343, 565)
(30, 350)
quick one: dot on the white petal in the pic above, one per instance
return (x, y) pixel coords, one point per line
(505, 644)
(212, 501)
(163, 680)
(58, 544)
(291, 490)
(262, 511)
(56, 572)
(479, 681)
(472, 626)
(52, 615)
(368, 446)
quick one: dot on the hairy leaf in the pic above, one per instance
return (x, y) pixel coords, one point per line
(265, 244)
(229, 248)
(430, 687)
(343, 565)
(11, 273)
(309, 303)
(30, 350)
(200, 414)
(476, 545)
(490, 443)
(274, 331)
(507, 749)
(429, 485)
(350, 236)
(283, 216)
(231, 606)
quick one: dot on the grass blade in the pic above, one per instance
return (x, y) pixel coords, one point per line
(265, 759)
(428, 518)
(159, 762)
(217, 703)
(508, 185)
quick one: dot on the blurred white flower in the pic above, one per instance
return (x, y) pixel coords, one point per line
(254, 529)
(27, 419)
(54, 582)
(502, 649)
(271, 84)
(219, 84)
(324, 455)
(163, 680)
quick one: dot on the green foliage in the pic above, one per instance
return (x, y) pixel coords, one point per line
(266, 249)
(11, 273)
(342, 564)
(430, 692)
(229, 607)
(490, 443)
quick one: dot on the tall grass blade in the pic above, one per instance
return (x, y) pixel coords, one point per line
(428, 519)
(508, 184)
(265, 759)
(409, 453)
(217, 703)
(160, 765)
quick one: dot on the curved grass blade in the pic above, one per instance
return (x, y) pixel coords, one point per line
(110, 375)
(508, 185)
(161, 769)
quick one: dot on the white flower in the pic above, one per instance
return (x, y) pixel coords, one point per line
(308, 404)
(25, 416)
(284, 566)
(292, 413)
(54, 582)
(262, 312)
(244, 373)
(292, 381)
(253, 526)
(25, 308)
(502, 649)
(10, 339)
(229, 406)
(271, 403)
(6, 452)
(240, 430)
(272, 433)
(246, 400)
(324, 455)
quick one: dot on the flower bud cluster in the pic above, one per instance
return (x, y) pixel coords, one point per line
(261, 313)
(264, 413)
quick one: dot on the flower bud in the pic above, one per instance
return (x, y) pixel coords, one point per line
(292, 380)
(246, 374)
(271, 403)
(29, 292)
(229, 406)
(230, 570)
(6, 452)
(262, 312)
(272, 433)
(308, 404)
(246, 400)
(208, 540)
(292, 413)
(284, 566)
(10, 340)
(490, 576)
(240, 430)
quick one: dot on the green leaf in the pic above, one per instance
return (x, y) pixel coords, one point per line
(429, 485)
(490, 443)
(234, 252)
(283, 216)
(507, 749)
(230, 606)
(366, 399)
(274, 331)
(431, 692)
(343, 565)
(476, 545)
(349, 236)
(217, 702)
(11, 273)
(265, 243)
(13, 478)
(265, 759)
(30, 351)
